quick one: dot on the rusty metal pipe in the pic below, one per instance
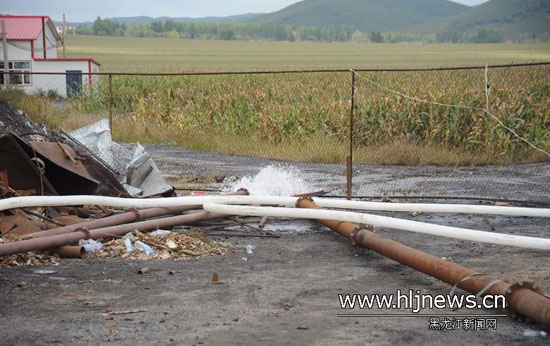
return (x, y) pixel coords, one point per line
(523, 298)
(70, 251)
(123, 218)
(58, 240)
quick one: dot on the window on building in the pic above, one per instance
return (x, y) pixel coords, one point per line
(22, 78)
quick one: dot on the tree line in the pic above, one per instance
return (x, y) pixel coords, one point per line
(274, 32)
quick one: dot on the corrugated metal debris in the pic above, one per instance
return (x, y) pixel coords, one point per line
(135, 170)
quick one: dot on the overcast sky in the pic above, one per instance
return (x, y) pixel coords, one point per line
(88, 10)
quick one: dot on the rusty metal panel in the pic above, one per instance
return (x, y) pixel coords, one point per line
(67, 177)
(22, 172)
(62, 155)
(61, 174)
(17, 225)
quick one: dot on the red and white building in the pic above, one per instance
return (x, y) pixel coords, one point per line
(33, 42)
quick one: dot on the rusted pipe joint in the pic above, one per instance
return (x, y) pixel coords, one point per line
(244, 190)
(305, 198)
(514, 288)
(87, 234)
(358, 234)
(136, 212)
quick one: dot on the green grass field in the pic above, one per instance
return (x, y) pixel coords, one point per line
(123, 54)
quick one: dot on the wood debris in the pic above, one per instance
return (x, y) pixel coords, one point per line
(172, 246)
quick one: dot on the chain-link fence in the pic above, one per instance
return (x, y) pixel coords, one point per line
(433, 126)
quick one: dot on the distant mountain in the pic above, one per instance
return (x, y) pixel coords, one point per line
(492, 21)
(147, 19)
(511, 18)
(364, 15)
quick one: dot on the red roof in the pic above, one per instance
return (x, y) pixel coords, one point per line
(69, 59)
(24, 28)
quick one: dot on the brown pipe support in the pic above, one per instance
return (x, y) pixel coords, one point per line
(58, 240)
(522, 298)
(122, 218)
(70, 251)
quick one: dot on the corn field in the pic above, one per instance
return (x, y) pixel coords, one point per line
(299, 107)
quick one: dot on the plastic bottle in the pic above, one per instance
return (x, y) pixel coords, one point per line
(143, 247)
(128, 242)
(90, 245)
(128, 245)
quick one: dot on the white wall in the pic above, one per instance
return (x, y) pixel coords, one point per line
(58, 83)
(21, 50)
(51, 45)
(17, 50)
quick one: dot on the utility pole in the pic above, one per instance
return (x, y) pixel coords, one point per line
(63, 32)
(5, 49)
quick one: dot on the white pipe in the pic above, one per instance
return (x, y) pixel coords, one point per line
(50, 201)
(384, 221)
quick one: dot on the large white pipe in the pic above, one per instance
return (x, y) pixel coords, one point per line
(384, 221)
(50, 201)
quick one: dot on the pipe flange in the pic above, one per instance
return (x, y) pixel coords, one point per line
(355, 232)
(516, 286)
(84, 230)
(305, 198)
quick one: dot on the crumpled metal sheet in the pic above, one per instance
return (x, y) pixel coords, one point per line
(142, 173)
(136, 171)
(97, 138)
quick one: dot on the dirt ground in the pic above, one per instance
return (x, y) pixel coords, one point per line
(286, 291)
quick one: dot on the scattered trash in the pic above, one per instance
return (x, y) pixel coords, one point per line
(245, 259)
(534, 333)
(171, 245)
(57, 278)
(160, 233)
(125, 312)
(416, 213)
(186, 246)
(143, 270)
(114, 281)
(12, 120)
(215, 279)
(144, 247)
(111, 324)
(250, 249)
(302, 328)
(69, 251)
(90, 245)
(128, 245)
(29, 259)
(44, 272)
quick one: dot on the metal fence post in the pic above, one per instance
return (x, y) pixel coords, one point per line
(350, 157)
(111, 102)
